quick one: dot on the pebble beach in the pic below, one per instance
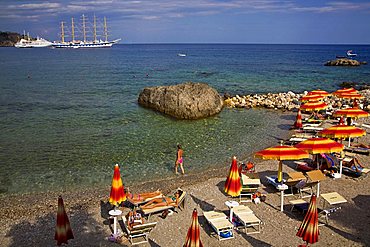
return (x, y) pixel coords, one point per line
(29, 219)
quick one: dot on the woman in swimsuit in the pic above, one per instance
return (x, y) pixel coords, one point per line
(179, 159)
(164, 201)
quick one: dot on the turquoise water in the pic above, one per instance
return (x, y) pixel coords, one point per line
(67, 116)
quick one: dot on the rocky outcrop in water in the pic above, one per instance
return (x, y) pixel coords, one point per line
(8, 38)
(183, 101)
(343, 62)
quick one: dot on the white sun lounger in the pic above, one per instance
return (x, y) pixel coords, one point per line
(220, 224)
(248, 219)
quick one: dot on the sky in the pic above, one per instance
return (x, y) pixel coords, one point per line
(198, 21)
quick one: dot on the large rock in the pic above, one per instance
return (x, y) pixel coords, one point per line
(184, 101)
(343, 62)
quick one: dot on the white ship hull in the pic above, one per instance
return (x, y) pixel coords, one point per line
(38, 43)
(75, 45)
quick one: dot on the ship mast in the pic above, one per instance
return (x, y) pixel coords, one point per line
(105, 29)
(62, 29)
(84, 27)
(73, 30)
(94, 29)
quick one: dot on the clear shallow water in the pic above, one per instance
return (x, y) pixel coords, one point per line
(68, 115)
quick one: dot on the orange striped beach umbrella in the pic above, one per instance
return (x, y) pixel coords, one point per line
(351, 96)
(281, 153)
(314, 106)
(342, 131)
(298, 121)
(63, 231)
(351, 112)
(193, 236)
(319, 92)
(309, 228)
(345, 90)
(320, 145)
(117, 193)
(233, 185)
(310, 98)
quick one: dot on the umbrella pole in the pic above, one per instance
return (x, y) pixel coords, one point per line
(282, 200)
(340, 167)
(280, 172)
(349, 141)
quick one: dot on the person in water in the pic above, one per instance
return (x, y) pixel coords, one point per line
(179, 159)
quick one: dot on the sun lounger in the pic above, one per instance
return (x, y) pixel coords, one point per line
(138, 199)
(138, 234)
(156, 209)
(220, 224)
(358, 150)
(248, 219)
(250, 185)
(279, 186)
(296, 180)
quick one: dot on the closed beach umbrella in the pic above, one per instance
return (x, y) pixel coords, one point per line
(298, 121)
(313, 97)
(345, 90)
(117, 193)
(309, 228)
(342, 131)
(281, 153)
(233, 186)
(63, 231)
(314, 106)
(193, 236)
(319, 92)
(351, 112)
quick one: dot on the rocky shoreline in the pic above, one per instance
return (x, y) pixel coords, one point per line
(289, 101)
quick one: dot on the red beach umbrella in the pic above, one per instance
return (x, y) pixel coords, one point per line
(350, 96)
(351, 112)
(193, 236)
(281, 153)
(345, 90)
(319, 92)
(309, 228)
(233, 186)
(117, 193)
(342, 131)
(320, 145)
(314, 106)
(298, 121)
(311, 97)
(63, 231)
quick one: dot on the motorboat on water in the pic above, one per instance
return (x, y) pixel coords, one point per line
(181, 54)
(32, 43)
(350, 54)
(75, 44)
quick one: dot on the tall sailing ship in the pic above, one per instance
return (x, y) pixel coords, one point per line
(95, 43)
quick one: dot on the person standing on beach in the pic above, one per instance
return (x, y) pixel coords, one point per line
(179, 159)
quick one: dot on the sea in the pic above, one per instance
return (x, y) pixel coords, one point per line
(69, 115)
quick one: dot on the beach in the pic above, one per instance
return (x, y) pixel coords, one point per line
(29, 219)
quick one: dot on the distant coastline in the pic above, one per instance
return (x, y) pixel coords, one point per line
(8, 39)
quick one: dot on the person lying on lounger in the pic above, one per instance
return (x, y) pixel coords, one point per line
(164, 201)
(354, 164)
(361, 145)
(143, 196)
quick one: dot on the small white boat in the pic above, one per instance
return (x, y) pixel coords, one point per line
(181, 54)
(350, 54)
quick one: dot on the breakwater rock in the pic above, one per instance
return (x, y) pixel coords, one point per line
(288, 101)
(183, 101)
(343, 62)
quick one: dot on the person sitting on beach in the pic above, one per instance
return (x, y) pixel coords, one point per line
(134, 218)
(164, 201)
